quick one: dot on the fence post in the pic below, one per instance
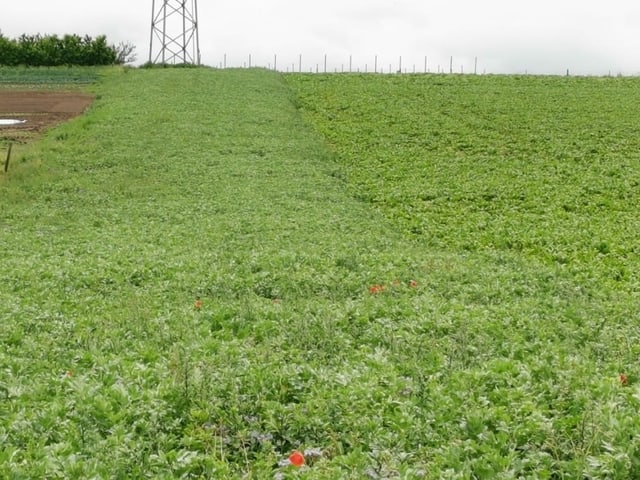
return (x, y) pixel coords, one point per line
(6, 162)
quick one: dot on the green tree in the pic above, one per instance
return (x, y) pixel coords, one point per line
(8, 51)
(51, 50)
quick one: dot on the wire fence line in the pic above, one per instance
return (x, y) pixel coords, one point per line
(391, 64)
(325, 64)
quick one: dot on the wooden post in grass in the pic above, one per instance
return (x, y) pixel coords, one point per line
(6, 162)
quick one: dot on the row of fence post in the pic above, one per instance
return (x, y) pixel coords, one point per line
(293, 69)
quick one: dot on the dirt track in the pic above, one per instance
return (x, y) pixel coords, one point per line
(41, 110)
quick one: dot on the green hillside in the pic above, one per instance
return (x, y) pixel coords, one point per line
(399, 276)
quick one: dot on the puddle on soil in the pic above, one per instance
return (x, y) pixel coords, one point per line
(10, 121)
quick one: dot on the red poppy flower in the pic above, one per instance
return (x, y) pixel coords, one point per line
(413, 284)
(623, 379)
(296, 459)
(198, 304)
(373, 289)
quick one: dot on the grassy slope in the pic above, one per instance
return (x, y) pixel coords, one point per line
(533, 184)
(194, 183)
(178, 185)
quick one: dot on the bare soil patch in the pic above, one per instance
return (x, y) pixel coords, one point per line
(41, 110)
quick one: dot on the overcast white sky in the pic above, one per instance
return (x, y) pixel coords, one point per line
(506, 36)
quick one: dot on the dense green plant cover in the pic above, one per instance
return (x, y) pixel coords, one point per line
(196, 287)
(537, 178)
(547, 168)
(48, 77)
(52, 50)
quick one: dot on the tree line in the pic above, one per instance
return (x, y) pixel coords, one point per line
(51, 50)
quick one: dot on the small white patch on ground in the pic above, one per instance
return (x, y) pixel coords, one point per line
(10, 121)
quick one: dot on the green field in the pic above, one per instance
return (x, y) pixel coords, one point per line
(404, 276)
(47, 77)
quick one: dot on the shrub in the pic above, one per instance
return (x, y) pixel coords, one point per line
(51, 50)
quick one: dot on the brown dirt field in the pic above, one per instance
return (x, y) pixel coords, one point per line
(41, 110)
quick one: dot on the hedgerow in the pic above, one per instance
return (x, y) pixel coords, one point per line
(51, 50)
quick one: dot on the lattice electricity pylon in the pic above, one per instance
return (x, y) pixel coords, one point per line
(174, 24)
